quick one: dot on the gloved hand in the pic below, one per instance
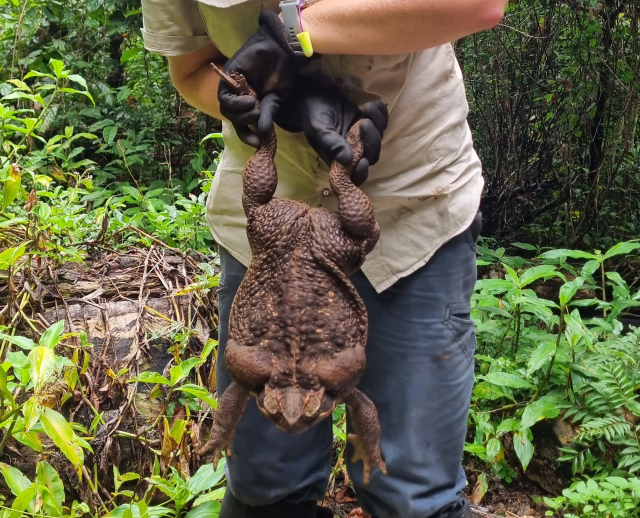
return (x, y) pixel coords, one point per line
(325, 116)
(271, 68)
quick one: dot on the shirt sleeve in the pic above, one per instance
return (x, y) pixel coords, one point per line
(173, 27)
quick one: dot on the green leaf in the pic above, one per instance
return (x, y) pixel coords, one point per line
(109, 134)
(200, 393)
(523, 447)
(505, 379)
(31, 412)
(206, 477)
(217, 136)
(569, 289)
(590, 267)
(621, 248)
(5, 393)
(14, 478)
(489, 392)
(216, 494)
(538, 410)
(563, 253)
(21, 341)
(184, 368)
(78, 79)
(493, 448)
(58, 68)
(23, 501)
(537, 272)
(524, 246)
(150, 377)
(42, 365)
(130, 53)
(11, 186)
(209, 509)
(541, 355)
(74, 91)
(47, 476)
(63, 436)
(51, 336)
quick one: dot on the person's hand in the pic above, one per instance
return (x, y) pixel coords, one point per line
(325, 116)
(271, 68)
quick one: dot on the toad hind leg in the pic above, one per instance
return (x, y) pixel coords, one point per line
(366, 440)
(230, 409)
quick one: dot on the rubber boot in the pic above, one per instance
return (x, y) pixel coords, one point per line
(234, 508)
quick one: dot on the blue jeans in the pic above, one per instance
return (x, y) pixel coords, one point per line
(419, 374)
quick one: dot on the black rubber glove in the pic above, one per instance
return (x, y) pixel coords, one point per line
(271, 68)
(325, 116)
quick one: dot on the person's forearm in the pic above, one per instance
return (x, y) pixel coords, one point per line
(195, 79)
(395, 26)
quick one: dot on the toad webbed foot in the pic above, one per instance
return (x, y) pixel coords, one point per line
(230, 409)
(366, 440)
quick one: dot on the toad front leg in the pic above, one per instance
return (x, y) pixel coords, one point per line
(230, 409)
(366, 440)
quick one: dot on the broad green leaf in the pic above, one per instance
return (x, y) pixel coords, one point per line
(540, 356)
(616, 278)
(23, 501)
(505, 379)
(537, 272)
(5, 393)
(154, 511)
(21, 341)
(46, 475)
(511, 275)
(58, 68)
(209, 509)
(78, 79)
(185, 369)
(150, 377)
(11, 186)
(31, 412)
(130, 53)
(621, 248)
(494, 286)
(216, 494)
(63, 436)
(524, 246)
(42, 365)
(487, 391)
(508, 425)
(569, 289)
(217, 136)
(200, 393)
(34, 73)
(538, 410)
(74, 91)
(14, 478)
(10, 256)
(206, 477)
(29, 439)
(563, 253)
(590, 267)
(51, 336)
(493, 448)
(523, 448)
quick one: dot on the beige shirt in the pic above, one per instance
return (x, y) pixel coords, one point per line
(426, 187)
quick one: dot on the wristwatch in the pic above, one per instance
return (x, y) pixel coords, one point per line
(298, 39)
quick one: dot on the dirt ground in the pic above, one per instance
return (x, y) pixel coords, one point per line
(508, 501)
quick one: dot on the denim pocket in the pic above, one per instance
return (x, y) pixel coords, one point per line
(459, 322)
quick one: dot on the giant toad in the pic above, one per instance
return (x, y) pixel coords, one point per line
(298, 328)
